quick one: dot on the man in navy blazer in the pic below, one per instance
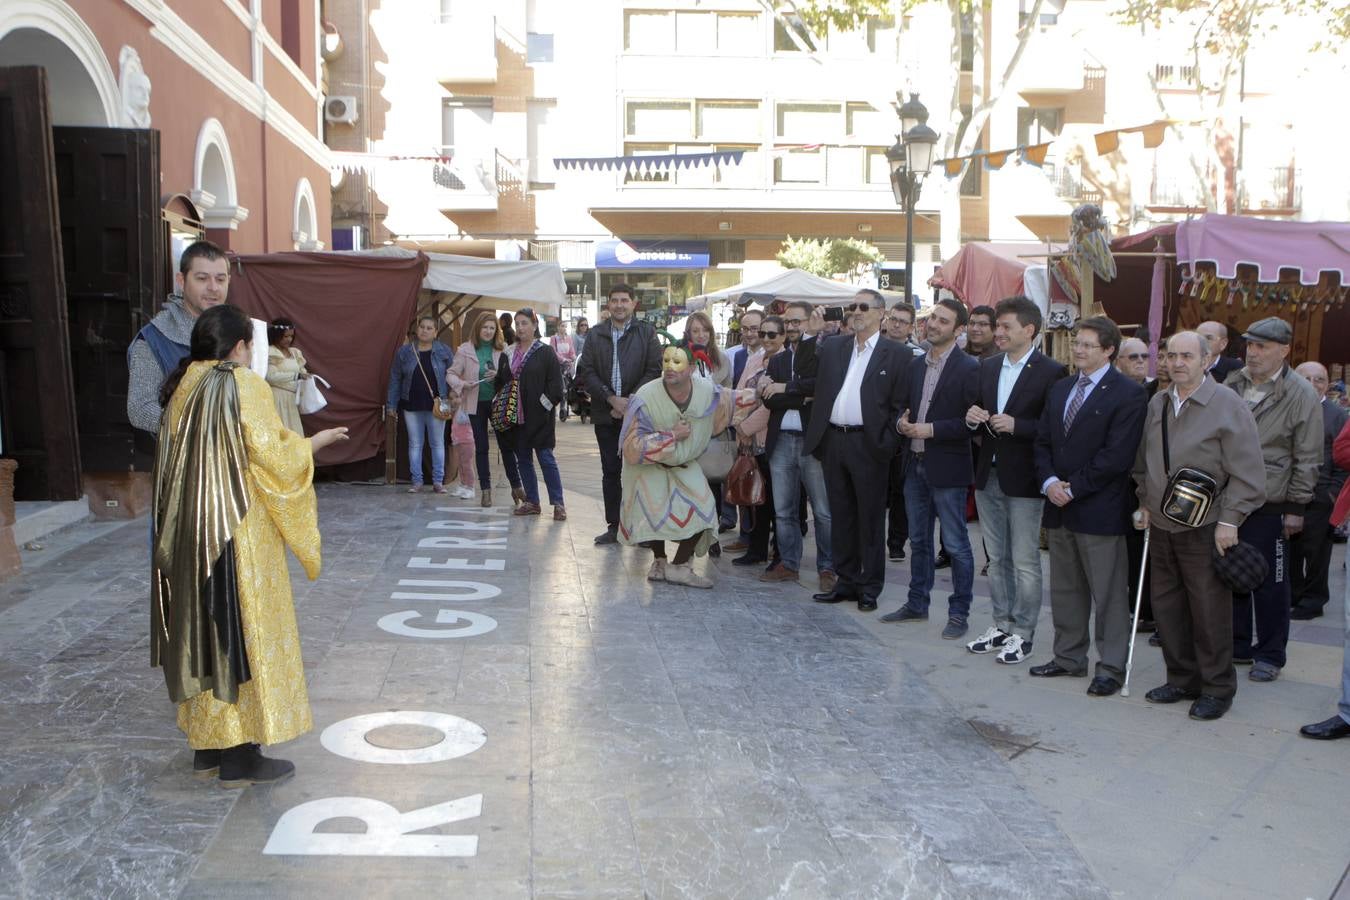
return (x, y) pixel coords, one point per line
(859, 391)
(1085, 449)
(1013, 385)
(938, 473)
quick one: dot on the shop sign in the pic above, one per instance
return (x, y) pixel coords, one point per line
(648, 255)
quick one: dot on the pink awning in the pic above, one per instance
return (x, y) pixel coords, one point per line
(1269, 245)
(984, 273)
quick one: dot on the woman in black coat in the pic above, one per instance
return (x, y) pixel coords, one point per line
(536, 367)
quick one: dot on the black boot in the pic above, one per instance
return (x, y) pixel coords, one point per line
(205, 762)
(244, 765)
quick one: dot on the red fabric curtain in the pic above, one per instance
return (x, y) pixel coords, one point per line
(351, 314)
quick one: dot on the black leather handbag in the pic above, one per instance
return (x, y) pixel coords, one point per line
(1190, 492)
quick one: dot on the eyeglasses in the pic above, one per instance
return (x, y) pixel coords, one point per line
(1085, 345)
(858, 307)
(794, 321)
(1136, 356)
(754, 328)
(771, 334)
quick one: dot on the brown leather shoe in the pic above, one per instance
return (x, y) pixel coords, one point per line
(735, 547)
(526, 508)
(828, 580)
(559, 514)
(779, 572)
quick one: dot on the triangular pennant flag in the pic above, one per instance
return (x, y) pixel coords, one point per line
(1154, 134)
(1035, 154)
(952, 168)
(996, 160)
(1107, 142)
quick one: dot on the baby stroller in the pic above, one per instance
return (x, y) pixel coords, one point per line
(577, 398)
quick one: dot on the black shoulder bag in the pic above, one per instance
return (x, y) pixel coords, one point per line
(1190, 492)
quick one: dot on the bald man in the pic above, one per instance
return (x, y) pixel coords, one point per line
(1310, 550)
(1133, 364)
(1220, 366)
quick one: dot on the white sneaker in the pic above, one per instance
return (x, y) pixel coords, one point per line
(991, 640)
(464, 492)
(1014, 650)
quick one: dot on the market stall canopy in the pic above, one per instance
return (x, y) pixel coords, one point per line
(1269, 245)
(351, 312)
(501, 284)
(793, 284)
(981, 273)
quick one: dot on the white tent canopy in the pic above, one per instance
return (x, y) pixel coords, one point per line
(501, 284)
(794, 284)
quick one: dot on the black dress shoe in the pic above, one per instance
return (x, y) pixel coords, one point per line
(1207, 707)
(1155, 640)
(748, 559)
(867, 604)
(905, 613)
(1332, 729)
(611, 536)
(1103, 686)
(1146, 626)
(897, 555)
(943, 561)
(1170, 693)
(1053, 669)
(1304, 613)
(834, 596)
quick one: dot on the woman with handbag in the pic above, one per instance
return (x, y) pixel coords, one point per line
(750, 435)
(474, 376)
(286, 372)
(528, 390)
(417, 385)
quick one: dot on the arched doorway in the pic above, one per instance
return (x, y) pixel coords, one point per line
(48, 33)
(214, 190)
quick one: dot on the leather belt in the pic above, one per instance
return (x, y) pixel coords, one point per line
(846, 428)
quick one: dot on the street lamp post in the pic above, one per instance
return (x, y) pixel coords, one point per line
(910, 159)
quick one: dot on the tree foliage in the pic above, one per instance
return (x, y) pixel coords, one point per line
(828, 257)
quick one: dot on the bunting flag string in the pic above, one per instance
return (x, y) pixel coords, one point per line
(1105, 142)
(657, 162)
(354, 161)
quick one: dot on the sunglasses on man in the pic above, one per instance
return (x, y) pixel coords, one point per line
(770, 334)
(1136, 356)
(858, 307)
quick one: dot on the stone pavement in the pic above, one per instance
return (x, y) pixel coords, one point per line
(504, 710)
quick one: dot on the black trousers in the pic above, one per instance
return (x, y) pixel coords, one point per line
(761, 517)
(857, 513)
(1268, 605)
(897, 530)
(1134, 546)
(611, 470)
(1310, 556)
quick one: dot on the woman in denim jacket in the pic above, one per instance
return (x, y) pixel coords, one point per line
(416, 384)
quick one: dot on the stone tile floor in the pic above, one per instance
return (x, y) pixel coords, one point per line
(611, 738)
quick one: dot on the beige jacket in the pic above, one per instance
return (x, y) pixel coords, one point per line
(1289, 421)
(1214, 433)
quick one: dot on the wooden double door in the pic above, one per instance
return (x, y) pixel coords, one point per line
(80, 268)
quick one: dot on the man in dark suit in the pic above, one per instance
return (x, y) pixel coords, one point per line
(938, 473)
(1221, 366)
(1013, 386)
(621, 354)
(860, 387)
(1310, 549)
(787, 394)
(1085, 449)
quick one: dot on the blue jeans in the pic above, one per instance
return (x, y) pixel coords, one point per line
(479, 421)
(789, 473)
(924, 504)
(1344, 706)
(423, 427)
(552, 477)
(1012, 528)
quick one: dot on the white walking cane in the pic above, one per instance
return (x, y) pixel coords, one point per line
(1134, 624)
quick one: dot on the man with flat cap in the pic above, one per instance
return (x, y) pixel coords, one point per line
(1289, 422)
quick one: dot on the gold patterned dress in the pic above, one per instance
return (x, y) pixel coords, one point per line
(273, 705)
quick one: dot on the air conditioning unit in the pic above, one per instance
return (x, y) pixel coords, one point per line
(339, 110)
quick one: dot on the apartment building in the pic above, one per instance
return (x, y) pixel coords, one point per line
(458, 110)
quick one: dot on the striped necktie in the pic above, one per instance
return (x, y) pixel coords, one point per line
(1076, 401)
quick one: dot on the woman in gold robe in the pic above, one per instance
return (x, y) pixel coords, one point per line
(233, 489)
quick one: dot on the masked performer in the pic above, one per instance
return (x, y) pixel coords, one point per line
(232, 491)
(665, 494)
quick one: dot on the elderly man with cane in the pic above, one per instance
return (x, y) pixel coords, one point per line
(1200, 475)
